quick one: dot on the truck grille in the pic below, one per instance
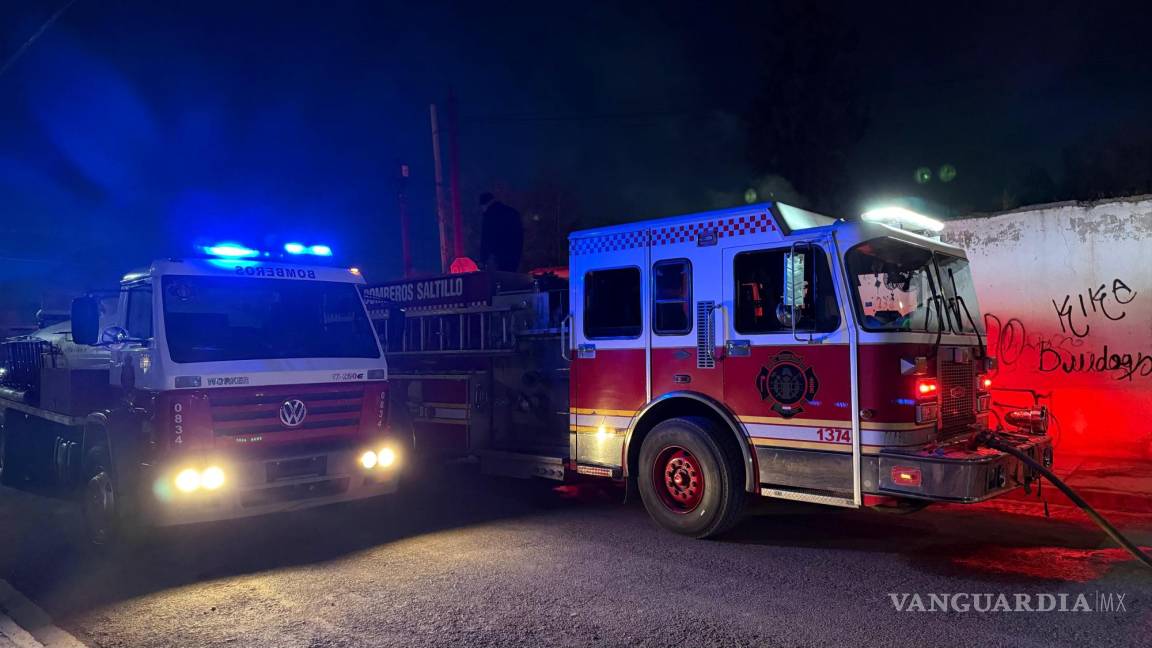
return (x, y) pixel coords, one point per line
(957, 397)
(259, 412)
(22, 360)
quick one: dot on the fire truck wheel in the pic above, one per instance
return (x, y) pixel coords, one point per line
(690, 482)
(100, 500)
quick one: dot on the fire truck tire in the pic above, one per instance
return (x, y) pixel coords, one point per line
(690, 481)
(102, 502)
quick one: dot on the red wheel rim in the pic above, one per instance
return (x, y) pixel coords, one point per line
(678, 479)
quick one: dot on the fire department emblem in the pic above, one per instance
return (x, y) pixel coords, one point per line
(293, 412)
(787, 383)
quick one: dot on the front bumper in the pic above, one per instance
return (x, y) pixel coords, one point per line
(955, 472)
(268, 485)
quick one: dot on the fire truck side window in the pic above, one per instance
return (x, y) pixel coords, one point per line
(760, 287)
(612, 307)
(672, 297)
(139, 317)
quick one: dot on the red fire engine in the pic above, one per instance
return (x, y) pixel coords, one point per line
(757, 351)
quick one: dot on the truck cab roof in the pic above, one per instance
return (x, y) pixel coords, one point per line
(777, 220)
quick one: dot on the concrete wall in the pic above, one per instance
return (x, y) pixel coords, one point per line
(1066, 291)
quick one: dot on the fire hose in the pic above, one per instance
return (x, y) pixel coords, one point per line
(993, 441)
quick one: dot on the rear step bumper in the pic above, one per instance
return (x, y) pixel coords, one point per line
(271, 485)
(956, 473)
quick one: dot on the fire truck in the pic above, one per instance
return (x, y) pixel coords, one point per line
(203, 389)
(706, 359)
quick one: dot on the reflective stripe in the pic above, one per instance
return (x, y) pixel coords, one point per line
(845, 423)
(606, 412)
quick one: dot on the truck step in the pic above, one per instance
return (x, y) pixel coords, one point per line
(813, 498)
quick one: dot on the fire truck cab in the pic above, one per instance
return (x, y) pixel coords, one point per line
(708, 358)
(203, 389)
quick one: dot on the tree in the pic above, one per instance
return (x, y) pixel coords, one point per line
(1119, 166)
(1031, 184)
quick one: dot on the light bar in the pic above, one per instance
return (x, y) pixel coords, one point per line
(231, 251)
(314, 250)
(901, 216)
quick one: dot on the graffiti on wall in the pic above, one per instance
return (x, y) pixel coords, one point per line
(1071, 350)
(1068, 289)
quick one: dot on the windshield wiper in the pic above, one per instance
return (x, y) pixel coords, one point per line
(971, 320)
(938, 298)
(940, 322)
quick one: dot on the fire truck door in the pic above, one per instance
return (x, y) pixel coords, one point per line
(134, 322)
(787, 368)
(685, 298)
(609, 370)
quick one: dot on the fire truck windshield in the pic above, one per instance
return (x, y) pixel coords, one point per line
(894, 286)
(213, 319)
(900, 286)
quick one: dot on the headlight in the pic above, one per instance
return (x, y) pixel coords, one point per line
(368, 460)
(386, 457)
(188, 480)
(212, 478)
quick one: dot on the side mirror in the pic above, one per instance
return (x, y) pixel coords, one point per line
(86, 320)
(794, 283)
(791, 306)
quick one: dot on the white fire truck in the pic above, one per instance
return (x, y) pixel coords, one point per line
(203, 389)
(758, 351)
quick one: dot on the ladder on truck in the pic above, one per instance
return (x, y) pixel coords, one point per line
(483, 329)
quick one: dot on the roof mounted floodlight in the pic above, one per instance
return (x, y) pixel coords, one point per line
(901, 217)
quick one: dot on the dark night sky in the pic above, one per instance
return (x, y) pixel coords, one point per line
(135, 126)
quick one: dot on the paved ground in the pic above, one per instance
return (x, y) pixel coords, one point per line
(472, 562)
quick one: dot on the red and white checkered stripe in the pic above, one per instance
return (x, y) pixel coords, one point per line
(674, 234)
(614, 242)
(735, 226)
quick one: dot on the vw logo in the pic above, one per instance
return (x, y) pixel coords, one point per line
(293, 412)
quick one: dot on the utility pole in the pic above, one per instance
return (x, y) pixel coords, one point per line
(441, 199)
(454, 175)
(405, 224)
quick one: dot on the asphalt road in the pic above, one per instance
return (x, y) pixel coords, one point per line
(468, 561)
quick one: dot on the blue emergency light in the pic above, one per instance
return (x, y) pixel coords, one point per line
(314, 250)
(231, 250)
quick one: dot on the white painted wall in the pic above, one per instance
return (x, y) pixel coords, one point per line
(1066, 290)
